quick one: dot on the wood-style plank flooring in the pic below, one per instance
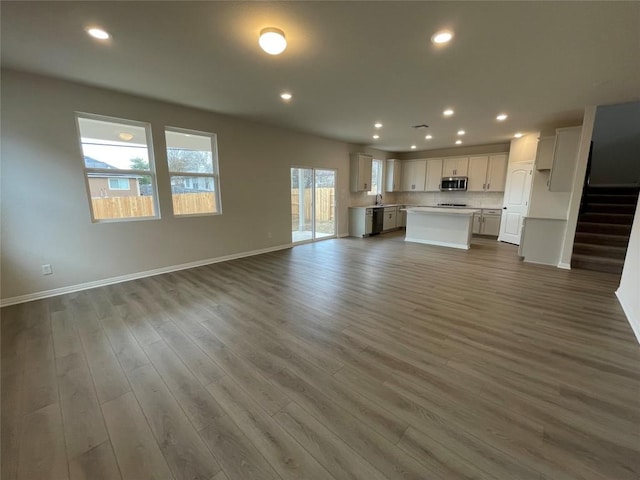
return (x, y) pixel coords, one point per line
(345, 359)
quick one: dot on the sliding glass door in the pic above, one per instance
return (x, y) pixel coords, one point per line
(313, 208)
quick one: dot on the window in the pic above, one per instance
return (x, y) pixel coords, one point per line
(193, 169)
(376, 177)
(119, 168)
(119, 184)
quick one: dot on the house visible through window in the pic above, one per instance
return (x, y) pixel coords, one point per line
(376, 177)
(119, 168)
(119, 184)
(193, 169)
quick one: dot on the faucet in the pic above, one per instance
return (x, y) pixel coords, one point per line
(379, 202)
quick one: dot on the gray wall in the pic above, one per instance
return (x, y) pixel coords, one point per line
(45, 211)
(615, 158)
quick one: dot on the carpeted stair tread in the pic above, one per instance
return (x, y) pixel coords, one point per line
(627, 209)
(607, 228)
(600, 264)
(599, 250)
(613, 199)
(602, 239)
(607, 218)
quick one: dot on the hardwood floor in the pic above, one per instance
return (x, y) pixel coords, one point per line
(345, 359)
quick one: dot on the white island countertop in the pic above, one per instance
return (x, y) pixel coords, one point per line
(444, 211)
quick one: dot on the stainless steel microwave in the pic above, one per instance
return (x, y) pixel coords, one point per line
(453, 183)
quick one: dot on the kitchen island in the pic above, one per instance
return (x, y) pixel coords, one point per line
(447, 227)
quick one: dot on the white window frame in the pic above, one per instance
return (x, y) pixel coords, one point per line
(215, 175)
(379, 179)
(110, 171)
(128, 187)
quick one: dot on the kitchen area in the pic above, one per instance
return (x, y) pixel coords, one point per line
(450, 198)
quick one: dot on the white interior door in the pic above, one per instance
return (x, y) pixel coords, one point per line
(516, 201)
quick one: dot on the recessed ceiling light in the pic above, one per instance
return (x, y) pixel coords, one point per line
(378, 125)
(458, 142)
(429, 137)
(272, 41)
(518, 135)
(126, 136)
(448, 112)
(441, 37)
(98, 33)
(461, 132)
(286, 96)
(375, 137)
(501, 117)
(413, 147)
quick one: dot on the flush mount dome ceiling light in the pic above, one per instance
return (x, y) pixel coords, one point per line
(441, 37)
(98, 33)
(502, 117)
(126, 136)
(272, 41)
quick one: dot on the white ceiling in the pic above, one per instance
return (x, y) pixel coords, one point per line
(348, 64)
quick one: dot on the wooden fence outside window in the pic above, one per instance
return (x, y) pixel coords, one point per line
(325, 203)
(128, 207)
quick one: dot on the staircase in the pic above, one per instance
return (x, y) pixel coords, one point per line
(604, 226)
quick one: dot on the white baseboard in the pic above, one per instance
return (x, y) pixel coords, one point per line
(564, 266)
(437, 243)
(134, 276)
(633, 321)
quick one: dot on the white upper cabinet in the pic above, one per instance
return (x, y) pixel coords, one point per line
(455, 167)
(487, 173)
(497, 172)
(360, 174)
(394, 175)
(559, 154)
(478, 173)
(544, 153)
(434, 175)
(413, 175)
(565, 157)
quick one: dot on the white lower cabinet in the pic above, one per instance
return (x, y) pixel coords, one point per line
(487, 222)
(477, 222)
(360, 221)
(390, 219)
(490, 225)
(401, 217)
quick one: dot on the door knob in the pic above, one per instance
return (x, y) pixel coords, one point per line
(504, 208)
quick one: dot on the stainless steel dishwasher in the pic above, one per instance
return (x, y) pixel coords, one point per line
(377, 220)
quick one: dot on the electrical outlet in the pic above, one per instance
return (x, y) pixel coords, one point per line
(269, 235)
(46, 269)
